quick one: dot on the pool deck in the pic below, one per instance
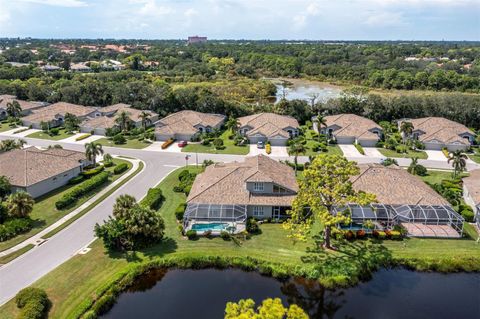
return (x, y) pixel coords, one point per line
(439, 231)
(239, 227)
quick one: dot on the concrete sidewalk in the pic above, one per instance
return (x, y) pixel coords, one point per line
(349, 150)
(37, 238)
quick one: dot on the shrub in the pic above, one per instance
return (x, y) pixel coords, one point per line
(417, 169)
(119, 139)
(361, 234)
(388, 233)
(120, 168)
(153, 199)
(89, 185)
(183, 175)
(167, 143)
(359, 148)
(375, 233)
(381, 235)
(205, 142)
(468, 215)
(349, 235)
(82, 137)
(401, 149)
(395, 235)
(53, 131)
(76, 180)
(13, 227)
(218, 143)
(92, 172)
(268, 148)
(224, 235)
(179, 211)
(191, 234)
(446, 152)
(108, 164)
(33, 303)
(252, 226)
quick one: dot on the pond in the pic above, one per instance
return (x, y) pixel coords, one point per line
(397, 293)
(303, 90)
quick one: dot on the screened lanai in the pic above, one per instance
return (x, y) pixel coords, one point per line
(233, 217)
(382, 216)
(430, 220)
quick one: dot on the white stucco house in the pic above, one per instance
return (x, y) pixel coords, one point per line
(471, 192)
(54, 114)
(268, 127)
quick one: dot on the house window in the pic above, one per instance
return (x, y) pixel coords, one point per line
(258, 187)
(257, 211)
(279, 190)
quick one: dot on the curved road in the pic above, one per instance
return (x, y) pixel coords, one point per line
(42, 259)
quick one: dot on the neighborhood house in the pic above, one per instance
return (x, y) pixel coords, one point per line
(27, 107)
(471, 192)
(184, 125)
(437, 133)
(38, 172)
(402, 199)
(226, 193)
(268, 127)
(350, 129)
(54, 114)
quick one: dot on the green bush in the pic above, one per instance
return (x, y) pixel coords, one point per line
(76, 192)
(120, 168)
(94, 171)
(153, 199)
(14, 227)
(76, 180)
(191, 234)
(401, 149)
(359, 148)
(468, 214)
(54, 131)
(252, 226)
(224, 235)
(33, 303)
(382, 235)
(395, 235)
(180, 210)
(119, 139)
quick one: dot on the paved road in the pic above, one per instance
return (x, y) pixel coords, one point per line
(39, 261)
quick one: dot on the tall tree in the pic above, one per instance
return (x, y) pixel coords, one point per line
(8, 145)
(145, 118)
(123, 204)
(71, 122)
(123, 120)
(459, 162)
(92, 150)
(326, 185)
(232, 124)
(5, 187)
(406, 130)
(321, 121)
(19, 204)
(294, 149)
(14, 109)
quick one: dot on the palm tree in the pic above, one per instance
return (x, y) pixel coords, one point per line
(14, 109)
(19, 204)
(232, 124)
(107, 158)
(459, 162)
(123, 204)
(321, 121)
(406, 130)
(8, 145)
(412, 169)
(145, 117)
(295, 148)
(71, 122)
(123, 119)
(92, 150)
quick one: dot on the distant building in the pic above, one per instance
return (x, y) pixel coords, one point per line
(196, 39)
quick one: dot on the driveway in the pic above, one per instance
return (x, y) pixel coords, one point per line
(21, 134)
(277, 151)
(436, 155)
(349, 150)
(373, 152)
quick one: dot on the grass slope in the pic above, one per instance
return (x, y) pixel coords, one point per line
(73, 285)
(44, 136)
(409, 154)
(132, 143)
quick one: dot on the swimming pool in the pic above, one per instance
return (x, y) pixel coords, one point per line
(209, 226)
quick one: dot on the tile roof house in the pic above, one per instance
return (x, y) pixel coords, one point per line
(105, 118)
(438, 132)
(471, 192)
(40, 171)
(260, 187)
(404, 198)
(54, 114)
(184, 125)
(27, 107)
(263, 127)
(350, 129)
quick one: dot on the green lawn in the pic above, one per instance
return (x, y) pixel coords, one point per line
(475, 156)
(44, 212)
(82, 278)
(410, 154)
(4, 126)
(62, 134)
(436, 177)
(230, 147)
(131, 143)
(331, 149)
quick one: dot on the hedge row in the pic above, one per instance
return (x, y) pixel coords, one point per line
(82, 137)
(94, 171)
(13, 227)
(33, 303)
(120, 168)
(78, 191)
(153, 199)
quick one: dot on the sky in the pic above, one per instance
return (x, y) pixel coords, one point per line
(243, 19)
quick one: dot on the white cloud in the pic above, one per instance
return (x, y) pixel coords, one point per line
(59, 3)
(386, 19)
(151, 8)
(313, 9)
(191, 12)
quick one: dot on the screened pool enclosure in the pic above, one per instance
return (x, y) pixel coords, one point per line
(384, 217)
(232, 217)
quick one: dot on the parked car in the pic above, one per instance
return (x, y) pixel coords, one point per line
(182, 144)
(260, 144)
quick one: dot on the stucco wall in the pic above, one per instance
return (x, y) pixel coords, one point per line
(267, 212)
(52, 183)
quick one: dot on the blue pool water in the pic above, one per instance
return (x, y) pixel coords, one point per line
(209, 226)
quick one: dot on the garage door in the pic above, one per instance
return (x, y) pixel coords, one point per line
(345, 140)
(255, 139)
(278, 141)
(433, 146)
(367, 143)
